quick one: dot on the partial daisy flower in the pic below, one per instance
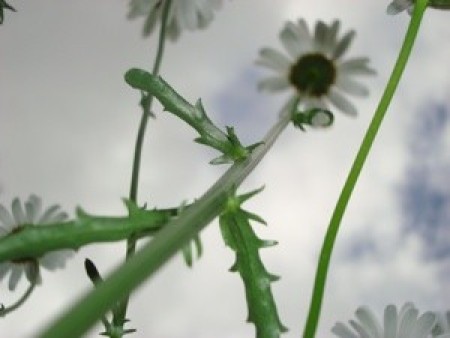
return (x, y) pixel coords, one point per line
(442, 327)
(315, 69)
(183, 14)
(397, 324)
(30, 214)
(397, 6)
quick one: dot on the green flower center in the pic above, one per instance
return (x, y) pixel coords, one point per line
(313, 74)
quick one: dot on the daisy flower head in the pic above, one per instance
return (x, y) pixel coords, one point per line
(405, 323)
(27, 215)
(314, 68)
(397, 6)
(183, 14)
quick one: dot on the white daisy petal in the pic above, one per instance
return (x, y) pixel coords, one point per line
(6, 219)
(356, 66)
(16, 274)
(343, 44)
(4, 269)
(273, 84)
(273, 59)
(341, 330)
(369, 321)
(18, 213)
(332, 33)
(290, 40)
(48, 215)
(320, 36)
(361, 329)
(351, 87)
(424, 325)
(407, 321)
(33, 208)
(390, 322)
(55, 259)
(342, 103)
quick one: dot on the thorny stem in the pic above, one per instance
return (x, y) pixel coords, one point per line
(330, 237)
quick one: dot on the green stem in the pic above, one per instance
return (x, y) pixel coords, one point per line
(330, 237)
(164, 245)
(147, 100)
(6, 310)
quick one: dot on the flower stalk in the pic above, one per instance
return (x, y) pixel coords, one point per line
(333, 228)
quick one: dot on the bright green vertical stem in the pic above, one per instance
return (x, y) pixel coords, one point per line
(146, 102)
(330, 237)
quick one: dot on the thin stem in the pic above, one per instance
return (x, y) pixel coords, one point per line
(330, 237)
(165, 244)
(5, 310)
(146, 102)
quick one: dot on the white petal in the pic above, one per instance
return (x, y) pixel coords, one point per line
(342, 103)
(273, 59)
(274, 84)
(18, 212)
(390, 321)
(356, 66)
(369, 321)
(4, 269)
(55, 259)
(424, 325)
(407, 323)
(351, 87)
(362, 331)
(320, 36)
(343, 44)
(16, 274)
(6, 219)
(290, 41)
(341, 330)
(48, 215)
(33, 208)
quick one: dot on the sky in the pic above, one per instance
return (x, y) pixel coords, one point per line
(67, 129)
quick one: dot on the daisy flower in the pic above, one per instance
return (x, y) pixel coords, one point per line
(314, 68)
(30, 214)
(405, 323)
(397, 6)
(183, 14)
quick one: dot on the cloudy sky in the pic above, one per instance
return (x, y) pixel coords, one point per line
(67, 130)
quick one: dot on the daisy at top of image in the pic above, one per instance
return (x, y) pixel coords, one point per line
(314, 68)
(405, 323)
(397, 6)
(183, 14)
(30, 214)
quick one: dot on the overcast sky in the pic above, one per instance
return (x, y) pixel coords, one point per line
(67, 131)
